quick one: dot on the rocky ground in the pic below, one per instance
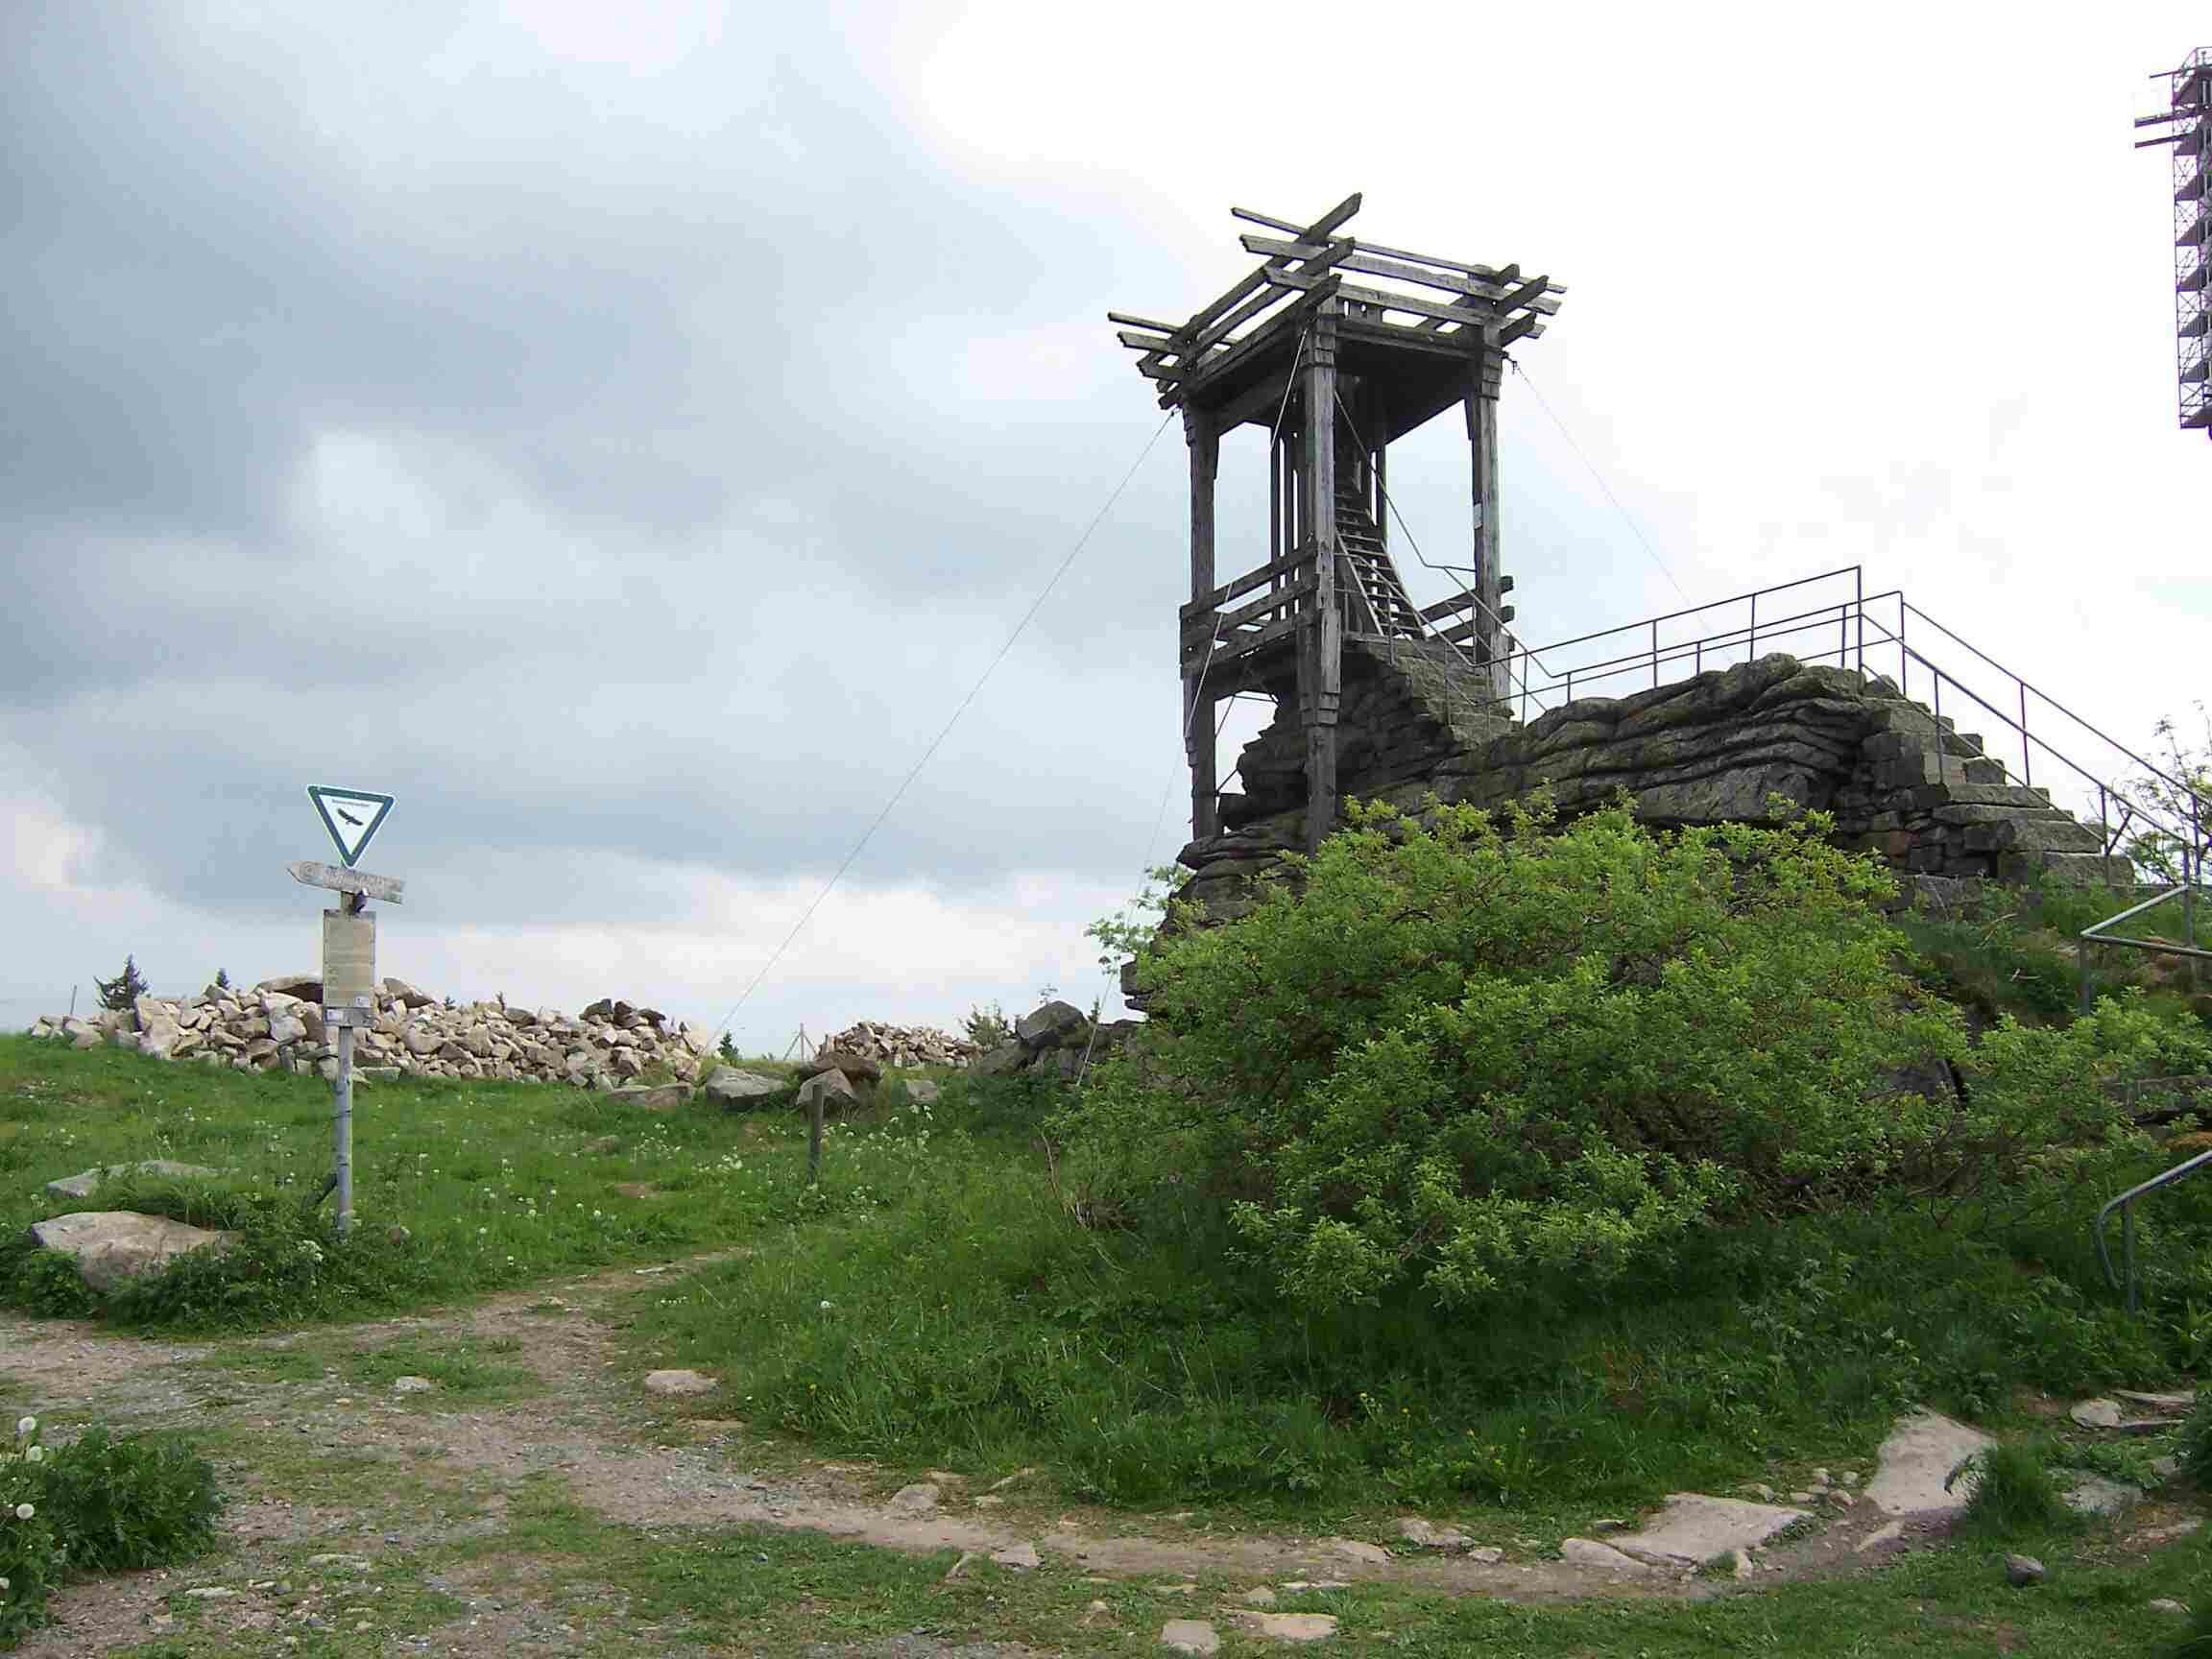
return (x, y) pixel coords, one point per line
(393, 1479)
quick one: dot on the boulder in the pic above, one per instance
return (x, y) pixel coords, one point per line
(1054, 1025)
(857, 1068)
(157, 1037)
(1006, 1057)
(661, 1097)
(727, 1085)
(307, 987)
(84, 1183)
(283, 1028)
(828, 1087)
(922, 1092)
(111, 1247)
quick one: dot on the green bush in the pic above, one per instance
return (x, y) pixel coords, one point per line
(2010, 1495)
(102, 1504)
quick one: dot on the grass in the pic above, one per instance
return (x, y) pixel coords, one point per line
(459, 1188)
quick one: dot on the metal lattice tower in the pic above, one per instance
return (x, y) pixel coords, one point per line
(2190, 120)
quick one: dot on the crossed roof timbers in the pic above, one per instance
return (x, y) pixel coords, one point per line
(1441, 305)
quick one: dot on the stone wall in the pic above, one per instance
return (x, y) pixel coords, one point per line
(278, 1026)
(1713, 749)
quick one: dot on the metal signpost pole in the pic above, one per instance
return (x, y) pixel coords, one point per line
(352, 816)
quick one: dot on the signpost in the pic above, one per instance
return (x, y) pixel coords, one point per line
(352, 817)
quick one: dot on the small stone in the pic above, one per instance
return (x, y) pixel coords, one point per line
(989, 1500)
(1020, 1556)
(2022, 1571)
(1487, 1555)
(1821, 1478)
(211, 1592)
(1174, 1589)
(2167, 1605)
(1849, 1476)
(1759, 1490)
(1427, 1535)
(1099, 1608)
(1354, 1549)
(1260, 1596)
(2177, 1405)
(340, 1563)
(2107, 1414)
(1190, 1636)
(678, 1383)
(921, 1496)
(412, 1386)
(1803, 1498)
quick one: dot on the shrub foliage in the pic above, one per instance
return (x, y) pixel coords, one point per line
(1468, 1055)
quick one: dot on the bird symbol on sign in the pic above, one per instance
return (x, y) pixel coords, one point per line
(349, 817)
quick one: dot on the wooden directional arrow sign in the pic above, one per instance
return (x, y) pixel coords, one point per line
(309, 873)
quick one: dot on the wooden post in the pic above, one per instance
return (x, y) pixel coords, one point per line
(1489, 638)
(1324, 640)
(1204, 440)
(814, 1139)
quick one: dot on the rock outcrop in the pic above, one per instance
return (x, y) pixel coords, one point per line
(270, 1029)
(1902, 784)
(1057, 1040)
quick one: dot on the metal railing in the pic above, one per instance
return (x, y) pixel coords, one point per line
(2125, 1203)
(1830, 617)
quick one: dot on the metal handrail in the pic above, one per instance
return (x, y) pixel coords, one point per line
(2126, 1205)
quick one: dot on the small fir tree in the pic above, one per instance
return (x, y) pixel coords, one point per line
(126, 988)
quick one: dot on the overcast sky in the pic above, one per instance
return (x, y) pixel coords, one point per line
(624, 433)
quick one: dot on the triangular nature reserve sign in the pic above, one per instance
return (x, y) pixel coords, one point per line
(352, 816)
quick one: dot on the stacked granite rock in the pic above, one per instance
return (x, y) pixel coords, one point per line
(278, 1026)
(901, 1046)
(1057, 1040)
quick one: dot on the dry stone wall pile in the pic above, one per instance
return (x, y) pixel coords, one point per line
(901, 1046)
(278, 1026)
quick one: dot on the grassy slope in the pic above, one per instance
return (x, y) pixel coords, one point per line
(971, 1325)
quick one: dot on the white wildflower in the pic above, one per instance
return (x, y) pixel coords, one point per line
(29, 1425)
(34, 1454)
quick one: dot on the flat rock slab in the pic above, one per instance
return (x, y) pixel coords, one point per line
(678, 1383)
(2178, 1405)
(1694, 1528)
(727, 1085)
(2114, 1418)
(1190, 1636)
(653, 1098)
(85, 1185)
(1288, 1626)
(1589, 1552)
(110, 1246)
(1374, 1554)
(2095, 1494)
(1021, 1557)
(922, 1495)
(1916, 1460)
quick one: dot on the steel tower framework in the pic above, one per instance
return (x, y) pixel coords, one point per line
(2189, 118)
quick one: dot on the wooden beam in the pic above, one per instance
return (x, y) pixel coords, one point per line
(1124, 318)
(1488, 273)
(1272, 274)
(1524, 325)
(1313, 232)
(1237, 650)
(1221, 362)
(1144, 342)
(1244, 616)
(1359, 259)
(1288, 565)
(1444, 608)
(1204, 437)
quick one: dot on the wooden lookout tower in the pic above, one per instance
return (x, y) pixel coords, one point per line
(1331, 372)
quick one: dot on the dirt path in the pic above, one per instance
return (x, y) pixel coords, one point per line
(587, 1421)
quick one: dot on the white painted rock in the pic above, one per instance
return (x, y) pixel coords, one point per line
(110, 1246)
(1286, 1627)
(1190, 1636)
(87, 1183)
(1589, 1552)
(1694, 1528)
(1916, 1460)
(678, 1383)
